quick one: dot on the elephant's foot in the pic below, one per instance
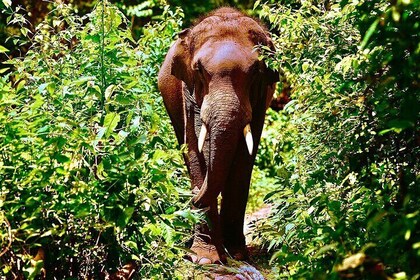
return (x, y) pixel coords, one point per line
(205, 253)
(235, 244)
(238, 253)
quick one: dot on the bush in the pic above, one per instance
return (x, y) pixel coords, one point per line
(91, 177)
(345, 150)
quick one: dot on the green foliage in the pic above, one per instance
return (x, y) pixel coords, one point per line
(89, 171)
(144, 9)
(345, 149)
(91, 177)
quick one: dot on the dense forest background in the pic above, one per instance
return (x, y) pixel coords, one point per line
(92, 180)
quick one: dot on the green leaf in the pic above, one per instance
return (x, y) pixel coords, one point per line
(305, 66)
(334, 205)
(397, 126)
(110, 123)
(369, 33)
(121, 136)
(125, 217)
(20, 85)
(289, 227)
(326, 248)
(395, 14)
(34, 270)
(56, 22)
(49, 86)
(187, 214)
(7, 3)
(3, 49)
(61, 158)
(109, 91)
(25, 31)
(3, 70)
(132, 245)
(100, 134)
(83, 79)
(100, 171)
(39, 101)
(277, 255)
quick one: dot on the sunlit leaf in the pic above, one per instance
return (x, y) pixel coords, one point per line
(7, 3)
(369, 34)
(109, 91)
(110, 122)
(3, 49)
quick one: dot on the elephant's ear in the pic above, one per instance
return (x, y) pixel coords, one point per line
(273, 75)
(181, 60)
(260, 37)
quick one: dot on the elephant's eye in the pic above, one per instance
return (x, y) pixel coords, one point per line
(254, 72)
(199, 68)
(257, 67)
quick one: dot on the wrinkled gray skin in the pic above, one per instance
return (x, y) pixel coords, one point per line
(211, 76)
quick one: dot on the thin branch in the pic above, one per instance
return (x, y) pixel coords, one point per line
(102, 54)
(9, 230)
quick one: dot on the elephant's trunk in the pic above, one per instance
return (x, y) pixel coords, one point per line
(225, 121)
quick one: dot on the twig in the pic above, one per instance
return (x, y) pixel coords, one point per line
(4, 251)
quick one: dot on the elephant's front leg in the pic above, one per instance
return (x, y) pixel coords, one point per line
(235, 193)
(207, 244)
(234, 200)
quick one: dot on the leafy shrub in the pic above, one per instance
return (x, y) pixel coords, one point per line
(90, 175)
(345, 150)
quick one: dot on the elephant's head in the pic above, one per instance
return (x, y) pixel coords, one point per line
(231, 88)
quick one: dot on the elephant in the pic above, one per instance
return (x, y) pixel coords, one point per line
(216, 90)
